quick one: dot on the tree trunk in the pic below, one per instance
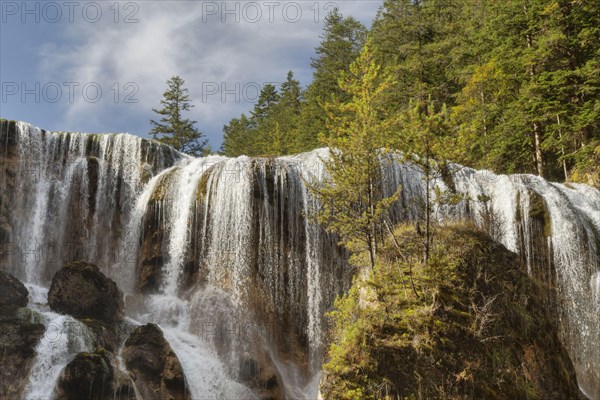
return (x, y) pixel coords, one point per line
(537, 141)
(562, 149)
(373, 228)
(427, 210)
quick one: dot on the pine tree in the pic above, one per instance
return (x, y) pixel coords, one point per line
(279, 131)
(272, 127)
(420, 42)
(237, 138)
(264, 106)
(173, 128)
(341, 44)
(424, 139)
(353, 203)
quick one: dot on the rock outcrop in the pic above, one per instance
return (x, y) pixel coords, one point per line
(157, 372)
(20, 332)
(10, 209)
(262, 377)
(81, 290)
(470, 324)
(93, 376)
(12, 291)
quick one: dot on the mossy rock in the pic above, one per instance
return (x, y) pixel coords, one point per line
(202, 188)
(538, 211)
(156, 369)
(469, 324)
(93, 376)
(12, 291)
(162, 186)
(21, 330)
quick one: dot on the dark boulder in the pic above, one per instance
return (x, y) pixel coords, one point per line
(12, 291)
(93, 376)
(157, 372)
(81, 290)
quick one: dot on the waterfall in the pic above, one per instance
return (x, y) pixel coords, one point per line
(66, 178)
(223, 253)
(64, 338)
(205, 374)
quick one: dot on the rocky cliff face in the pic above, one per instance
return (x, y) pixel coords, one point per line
(20, 331)
(156, 370)
(67, 196)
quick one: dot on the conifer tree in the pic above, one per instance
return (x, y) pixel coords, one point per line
(424, 138)
(341, 44)
(272, 127)
(279, 131)
(354, 205)
(264, 106)
(172, 128)
(237, 137)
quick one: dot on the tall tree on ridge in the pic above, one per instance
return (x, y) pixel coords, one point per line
(342, 41)
(173, 128)
(354, 205)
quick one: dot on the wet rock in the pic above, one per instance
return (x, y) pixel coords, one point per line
(157, 372)
(10, 209)
(261, 376)
(81, 290)
(20, 332)
(106, 335)
(149, 277)
(93, 376)
(12, 291)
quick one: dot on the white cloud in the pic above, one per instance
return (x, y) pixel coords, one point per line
(176, 37)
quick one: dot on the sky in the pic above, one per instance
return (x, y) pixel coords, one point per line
(86, 66)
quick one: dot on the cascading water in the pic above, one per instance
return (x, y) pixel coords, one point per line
(60, 215)
(239, 225)
(64, 338)
(572, 237)
(222, 254)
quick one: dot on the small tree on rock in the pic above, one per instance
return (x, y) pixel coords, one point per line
(173, 129)
(354, 205)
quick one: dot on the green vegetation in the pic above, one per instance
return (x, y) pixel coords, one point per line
(341, 44)
(423, 138)
(272, 127)
(291, 120)
(519, 83)
(353, 203)
(173, 128)
(470, 324)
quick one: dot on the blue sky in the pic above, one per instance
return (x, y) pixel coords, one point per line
(101, 66)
